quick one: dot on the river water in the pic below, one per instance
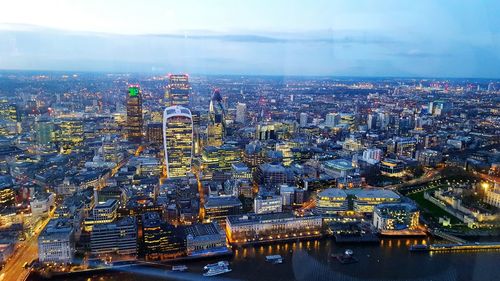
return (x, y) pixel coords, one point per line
(310, 260)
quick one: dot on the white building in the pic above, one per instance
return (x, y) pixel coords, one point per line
(56, 242)
(264, 204)
(332, 119)
(372, 155)
(493, 196)
(241, 113)
(287, 194)
(303, 119)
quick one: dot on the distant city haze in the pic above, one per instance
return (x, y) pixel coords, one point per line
(330, 38)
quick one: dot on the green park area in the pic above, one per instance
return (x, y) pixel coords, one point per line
(430, 210)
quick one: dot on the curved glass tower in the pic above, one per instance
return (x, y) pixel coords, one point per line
(178, 140)
(216, 123)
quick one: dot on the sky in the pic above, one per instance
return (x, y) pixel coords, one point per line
(454, 38)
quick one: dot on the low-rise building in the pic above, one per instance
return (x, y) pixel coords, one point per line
(205, 239)
(255, 228)
(365, 200)
(331, 201)
(268, 203)
(395, 217)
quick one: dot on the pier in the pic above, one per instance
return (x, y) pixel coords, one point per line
(456, 247)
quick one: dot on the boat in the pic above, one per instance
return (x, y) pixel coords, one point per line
(345, 258)
(419, 248)
(217, 264)
(274, 259)
(179, 268)
(217, 269)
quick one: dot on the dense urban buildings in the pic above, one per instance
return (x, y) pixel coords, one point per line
(91, 174)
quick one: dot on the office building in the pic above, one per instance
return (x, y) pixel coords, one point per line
(218, 208)
(205, 240)
(117, 237)
(303, 119)
(241, 113)
(154, 133)
(56, 242)
(220, 158)
(178, 90)
(428, 157)
(365, 200)
(268, 203)
(177, 141)
(160, 239)
(331, 201)
(395, 217)
(372, 155)
(134, 114)
(332, 120)
(216, 128)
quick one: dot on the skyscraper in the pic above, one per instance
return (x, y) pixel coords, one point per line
(216, 123)
(303, 119)
(134, 114)
(177, 90)
(178, 140)
(241, 112)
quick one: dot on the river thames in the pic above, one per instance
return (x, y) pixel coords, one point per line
(311, 260)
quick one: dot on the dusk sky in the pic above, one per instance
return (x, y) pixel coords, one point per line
(339, 38)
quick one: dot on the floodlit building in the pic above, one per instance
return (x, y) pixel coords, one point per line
(395, 217)
(255, 228)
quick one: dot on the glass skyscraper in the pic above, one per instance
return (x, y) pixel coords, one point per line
(178, 140)
(134, 114)
(177, 90)
(216, 123)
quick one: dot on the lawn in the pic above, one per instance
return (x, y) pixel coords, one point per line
(431, 208)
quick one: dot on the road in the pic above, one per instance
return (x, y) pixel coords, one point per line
(25, 252)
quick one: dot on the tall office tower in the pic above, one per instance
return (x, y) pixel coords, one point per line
(303, 119)
(178, 89)
(241, 113)
(44, 131)
(372, 121)
(134, 114)
(154, 133)
(178, 140)
(216, 122)
(332, 119)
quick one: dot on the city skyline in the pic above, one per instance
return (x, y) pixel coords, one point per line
(390, 39)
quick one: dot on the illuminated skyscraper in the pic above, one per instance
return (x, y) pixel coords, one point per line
(178, 140)
(216, 122)
(134, 114)
(177, 90)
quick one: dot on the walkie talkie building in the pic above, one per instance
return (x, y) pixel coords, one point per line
(178, 140)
